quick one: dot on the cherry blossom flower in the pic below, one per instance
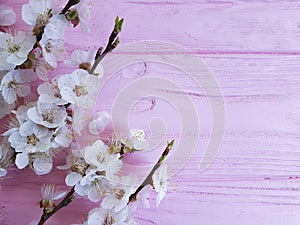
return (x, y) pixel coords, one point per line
(97, 125)
(136, 140)
(39, 64)
(55, 29)
(14, 49)
(93, 186)
(50, 93)
(99, 156)
(38, 12)
(63, 136)
(41, 162)
(14, 84)
(78, 87)
(7, 16)
(120, 193)
(48, 114)
(53, 50)
(17, 118)
(103, 216)
(77, 166)
(160, 183)
(31, 138)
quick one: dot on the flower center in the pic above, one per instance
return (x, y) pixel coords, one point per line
(42, 20)
(100, 158)
(80, 90)
(119, 193)
(79, 166)
(57, 95)
(12, 85)
(12, 48)
(49, 116)
(32, 139)
(108, 220)
(48, 47)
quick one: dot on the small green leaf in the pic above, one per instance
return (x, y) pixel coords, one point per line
(117, 20)
(119, 24)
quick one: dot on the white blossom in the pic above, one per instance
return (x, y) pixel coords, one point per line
(42, 162)
(98, 155)
(40, 65)
(38, 12)
(63, 136)
(120, 193)
(77, 166)
(107, 217)
(160, 183)
(48, 114)
(14, 49)
(92, 186)
(97, 125)
(55, 29)
(14, 84)
(30, 138)
(20, 116)
(78, 87)
(136, 140)
(7, 16)
(50, 93)
(53, 50)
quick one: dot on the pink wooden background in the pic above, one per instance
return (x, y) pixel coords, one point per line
(253, 50)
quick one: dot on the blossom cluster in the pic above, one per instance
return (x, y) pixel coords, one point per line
(42, 126)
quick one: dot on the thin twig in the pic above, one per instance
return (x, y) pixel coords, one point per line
(148, 179)
(113, 41)
(66, 201)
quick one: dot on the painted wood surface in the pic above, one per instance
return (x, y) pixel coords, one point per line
(252, 48)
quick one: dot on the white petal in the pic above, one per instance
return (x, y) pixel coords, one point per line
(43, 165)
(22, 160)
(3, 172)
(94, 196)
(7, 16)
(72, 178)
(109, 202)
(96, 218)
(59, 195)
(23, 90)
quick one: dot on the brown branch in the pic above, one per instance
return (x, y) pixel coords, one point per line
(148, 179)
(113, 41)
(66, 201)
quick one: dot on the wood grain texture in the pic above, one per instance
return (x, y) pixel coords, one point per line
(252, 48)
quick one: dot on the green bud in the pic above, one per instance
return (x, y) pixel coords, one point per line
(72, 15)
(118, 24)
(171, 144)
